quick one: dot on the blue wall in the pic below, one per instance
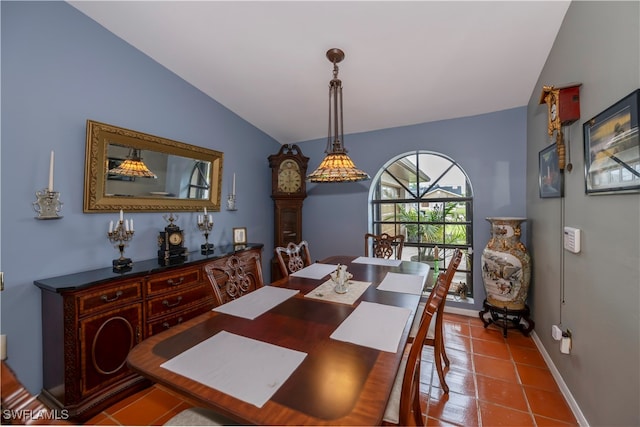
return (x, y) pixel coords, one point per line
(490, 148)
(60, 68)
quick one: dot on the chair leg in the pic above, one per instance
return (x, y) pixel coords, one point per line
(444, 351)
(438, 357)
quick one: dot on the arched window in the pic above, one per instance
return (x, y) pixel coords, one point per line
(198, 183)
(428, 198)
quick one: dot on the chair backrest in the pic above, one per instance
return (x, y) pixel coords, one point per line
(21, 406)
(410, 394)
(234, 277)
(454, 263)
(384, 245)
(293, 258)
(447, 277)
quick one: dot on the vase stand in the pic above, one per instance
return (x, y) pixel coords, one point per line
(506, 318)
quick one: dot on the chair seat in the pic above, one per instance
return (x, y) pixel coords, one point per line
(199, 417)
(431, 333)
(392, 412)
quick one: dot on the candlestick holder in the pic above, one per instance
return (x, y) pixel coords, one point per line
(47, 204)
(205, 224)
(231, 202)
(120, 235)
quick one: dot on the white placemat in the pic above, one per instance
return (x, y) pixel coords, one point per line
(325, 292)
(374, 325)
(400, 282)
(247, 369)
(255, 303)
(377, 261)
(315, 271)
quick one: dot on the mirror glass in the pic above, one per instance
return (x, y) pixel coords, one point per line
(134, 171)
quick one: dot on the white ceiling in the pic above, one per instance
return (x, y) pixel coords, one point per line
(406, 62)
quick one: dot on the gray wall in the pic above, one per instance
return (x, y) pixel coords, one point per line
(599, 46)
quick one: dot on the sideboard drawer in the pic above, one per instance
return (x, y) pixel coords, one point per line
(165, 323)
(173, 280)
(178, 300)
(109, 297)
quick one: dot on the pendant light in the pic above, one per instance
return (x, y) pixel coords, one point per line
(133, 166)
(336, 166)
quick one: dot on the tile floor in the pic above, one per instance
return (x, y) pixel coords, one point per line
(493, 381)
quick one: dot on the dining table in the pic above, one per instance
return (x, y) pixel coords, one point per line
(301, 352)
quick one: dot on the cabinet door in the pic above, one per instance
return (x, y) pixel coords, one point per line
(105, 343)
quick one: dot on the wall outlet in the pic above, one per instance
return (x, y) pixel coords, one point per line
(556, 332)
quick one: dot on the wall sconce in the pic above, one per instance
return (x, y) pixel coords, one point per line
(48, 203)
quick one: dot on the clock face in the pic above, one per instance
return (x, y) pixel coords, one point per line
(175, 238)
(289, 179)
(554, 111)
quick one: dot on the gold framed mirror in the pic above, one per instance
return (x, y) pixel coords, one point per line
(135, 171)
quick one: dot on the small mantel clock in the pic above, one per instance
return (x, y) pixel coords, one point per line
(171, 244)
(288, 191)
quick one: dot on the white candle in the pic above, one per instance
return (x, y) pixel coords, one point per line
(51, 172)
(210, 219)
(126, 225)
(233, 185)
(205, 211)
(110, 226)
(121, 214)
(131, 224)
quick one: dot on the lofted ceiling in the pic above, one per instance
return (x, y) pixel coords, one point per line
(406, 62)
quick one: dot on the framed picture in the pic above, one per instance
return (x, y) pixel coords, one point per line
(240, 236)
(612, 148)
(550, 178)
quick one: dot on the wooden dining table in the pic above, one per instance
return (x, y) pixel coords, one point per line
(337, 383)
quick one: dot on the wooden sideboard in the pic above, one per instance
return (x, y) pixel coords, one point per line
(90, 321)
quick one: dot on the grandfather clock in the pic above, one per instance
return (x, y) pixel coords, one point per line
(288, 191)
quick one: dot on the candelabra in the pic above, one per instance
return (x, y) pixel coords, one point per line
(205, 224)
(121, 234)
(48, 204)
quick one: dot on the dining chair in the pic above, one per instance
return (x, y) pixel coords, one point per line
(403, 407)
(384, 245)
(234, 276)
(18, 402)
(435, 334)
(294, 257)
(198, 416)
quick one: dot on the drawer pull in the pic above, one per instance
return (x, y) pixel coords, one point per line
(166, 325)
(172, 283)
(106, 298)
(166, 302)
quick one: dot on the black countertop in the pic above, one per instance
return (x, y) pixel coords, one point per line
(75, 281)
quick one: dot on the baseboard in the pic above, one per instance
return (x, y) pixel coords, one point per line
(582, 421)
(573, 405)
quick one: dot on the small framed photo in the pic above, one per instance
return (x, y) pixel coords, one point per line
(240, 236)
(550, 178)
(612, 148)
